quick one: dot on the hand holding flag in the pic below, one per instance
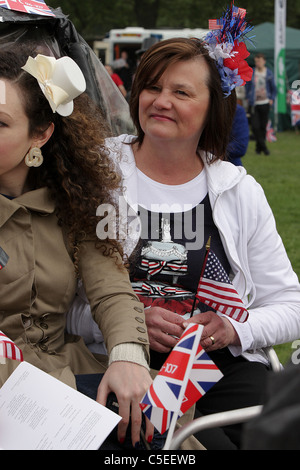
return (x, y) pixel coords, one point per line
(216, 290)
(185, 377)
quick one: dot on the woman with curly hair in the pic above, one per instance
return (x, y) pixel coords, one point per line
(52, 158)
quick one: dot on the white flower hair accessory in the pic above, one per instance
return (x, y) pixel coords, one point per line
(61, 81)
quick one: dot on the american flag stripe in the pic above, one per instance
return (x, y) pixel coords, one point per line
(214, 286)
(215, 24)
(217, 291)
(237, 314)
(228, 299)
(231, 309)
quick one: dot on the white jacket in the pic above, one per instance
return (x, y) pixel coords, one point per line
(262, 273)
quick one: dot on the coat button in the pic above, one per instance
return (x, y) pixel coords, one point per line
(141, 330)
(143, 340)
(139, 319)
(138, 309)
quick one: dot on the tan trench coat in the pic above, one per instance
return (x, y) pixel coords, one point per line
(38, 284)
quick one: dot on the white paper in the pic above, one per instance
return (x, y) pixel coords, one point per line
(38, 412)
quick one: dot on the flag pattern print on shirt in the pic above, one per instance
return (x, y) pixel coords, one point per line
(8, 349)
(216, 290)
(35, 7)
(185, 377)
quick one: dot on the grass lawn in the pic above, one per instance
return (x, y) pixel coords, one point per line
(279, 175)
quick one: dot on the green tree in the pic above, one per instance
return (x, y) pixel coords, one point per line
(146, 12)
(94, 18)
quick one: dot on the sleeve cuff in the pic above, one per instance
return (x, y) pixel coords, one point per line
(244, 333)
(129, 352)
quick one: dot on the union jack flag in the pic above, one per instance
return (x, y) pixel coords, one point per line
(8, 349)
(185, 377)
(216, 290)
(34, 7)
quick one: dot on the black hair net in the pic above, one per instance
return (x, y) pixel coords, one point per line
(57, 36)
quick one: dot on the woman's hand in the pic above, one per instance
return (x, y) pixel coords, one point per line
(218, 332)
(129, 382)
(164, 328)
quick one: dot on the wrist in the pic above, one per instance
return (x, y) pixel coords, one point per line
(232, 336)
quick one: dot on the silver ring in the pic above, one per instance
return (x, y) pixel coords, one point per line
(212, 340)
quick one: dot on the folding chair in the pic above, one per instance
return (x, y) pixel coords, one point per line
(225, 418)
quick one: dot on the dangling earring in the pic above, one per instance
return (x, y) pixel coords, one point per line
(34, 157)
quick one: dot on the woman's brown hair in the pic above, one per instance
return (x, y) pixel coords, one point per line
(156, 60)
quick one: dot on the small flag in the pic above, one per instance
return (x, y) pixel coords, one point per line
(34, 7)
(3, 258)
(185, 377)
(294, 99)
(216, 290)
(241, 12)
(270, 134)
(215, 24)
(8, 349)
(219, 23)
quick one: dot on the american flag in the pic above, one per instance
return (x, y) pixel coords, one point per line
(218, 23)
(236, 11)
(215, 24)
(34, 7)
(8, 349)
(216, 290)
(185, 377)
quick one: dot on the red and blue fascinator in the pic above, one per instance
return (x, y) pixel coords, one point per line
(225, 44)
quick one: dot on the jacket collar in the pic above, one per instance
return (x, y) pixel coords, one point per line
(36, 201)
(220, 175)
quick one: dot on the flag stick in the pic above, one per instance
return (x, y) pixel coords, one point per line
(171, 429)
(207, 247)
